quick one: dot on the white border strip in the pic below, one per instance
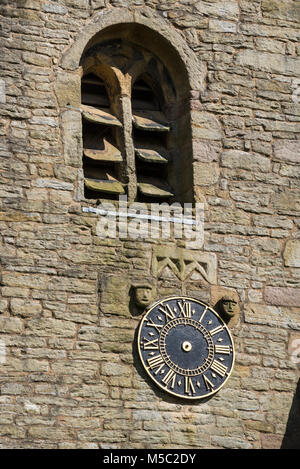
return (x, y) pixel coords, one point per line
(184, 221)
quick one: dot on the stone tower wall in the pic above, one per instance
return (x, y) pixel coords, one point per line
(70, 374)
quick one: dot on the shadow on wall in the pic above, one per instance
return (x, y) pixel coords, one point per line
(291, 438)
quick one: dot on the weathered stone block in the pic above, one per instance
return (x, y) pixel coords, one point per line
(269, 441)
(29, 4)
(11, 431)
(229, 215)
(36, 59)
(278, 316)
(32, 365)
(53, 8)
(2, 92)
(116, 336)
(288, 10)
(53, 184)
(25, 308)
(17, 279)
(98, 4)
(221, 26)
(109, 436)
(291, 253)
(260, 426)
(72, 137)
(67, 89)
(115, 369)
(50, 121)
(94, 391)
(86, 368)
(205, 150)
(285, 296)
(289, 170)
(50, 327)
(270, 221)
(45, 432)
(270, 45)
(279, 126)
(11, 325)
(287, 150)
(82, 4)
(205, 126)
(14, 389)
(267, 62)
(230, 442)
(227, 10)
(115, 295)
(205, 174)
(244, 160)
(74, 285)
(287, 202)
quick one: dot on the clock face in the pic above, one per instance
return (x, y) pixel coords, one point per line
(185, 347)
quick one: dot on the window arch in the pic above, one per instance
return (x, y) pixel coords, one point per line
(131, 134)
(140, 61)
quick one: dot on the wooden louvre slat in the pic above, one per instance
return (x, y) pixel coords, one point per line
(150, 120)
(99, 116)
(110, 186)
(151, 156)
(153, 190)
(109, 154)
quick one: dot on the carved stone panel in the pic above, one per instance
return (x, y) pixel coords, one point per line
(184, 264)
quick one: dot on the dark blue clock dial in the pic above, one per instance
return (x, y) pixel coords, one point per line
(185, 347)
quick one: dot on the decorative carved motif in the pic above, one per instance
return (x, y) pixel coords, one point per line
(185, 264)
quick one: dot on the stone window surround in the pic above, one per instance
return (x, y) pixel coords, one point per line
(144, 23)
(128, 121)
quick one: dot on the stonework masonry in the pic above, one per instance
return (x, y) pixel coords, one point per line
(70, 375)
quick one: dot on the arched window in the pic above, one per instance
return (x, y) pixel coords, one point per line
(136, 129)
(128, 63)
(132, 62)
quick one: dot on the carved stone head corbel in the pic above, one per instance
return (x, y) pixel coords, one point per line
(142, 294)
(226, 303)
(228, 307)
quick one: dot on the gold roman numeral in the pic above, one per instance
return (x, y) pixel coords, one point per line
(157, 327)
(209, 385)
(150, 344)
(169, 378)
(216, 330)
(167, 312)
(203, 314)
(188, 386)
(219, 368)
(185, 309)
(224, 349)
(156, 362)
